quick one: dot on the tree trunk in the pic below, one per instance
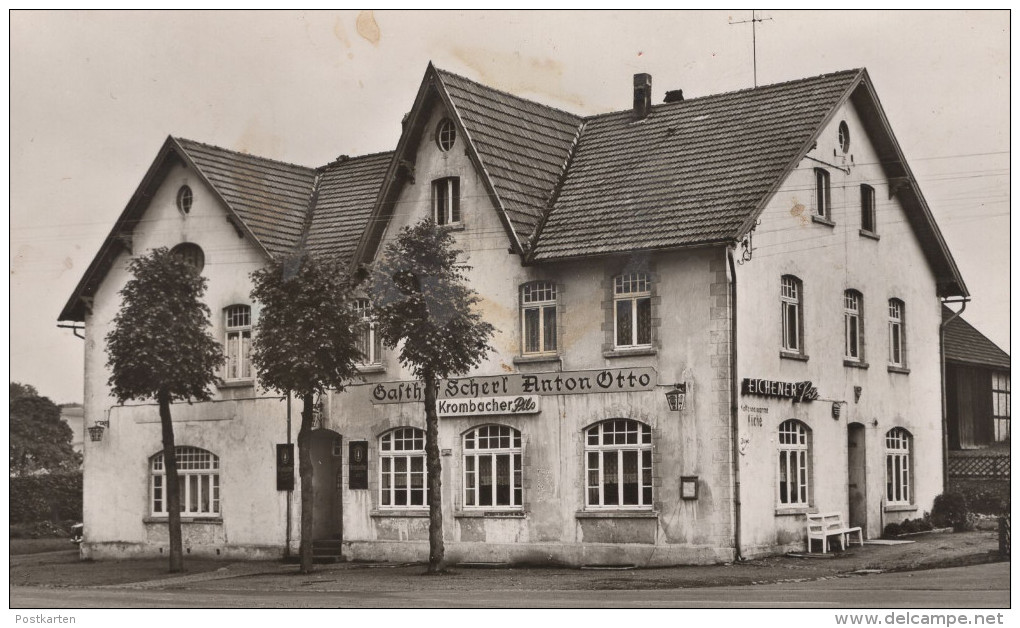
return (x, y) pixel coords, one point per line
(172, 486)
(304, 443)
(434, 467)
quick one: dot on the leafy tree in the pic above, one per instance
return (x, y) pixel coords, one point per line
(305, 343)
(40, 441)
(424, 305)
(160, 348)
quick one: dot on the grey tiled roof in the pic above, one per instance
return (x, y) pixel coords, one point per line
(270, 197)
(966, 344)
(691, 172)
(523, 146)
(347, 193)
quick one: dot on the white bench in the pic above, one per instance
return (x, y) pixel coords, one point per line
(822, 526)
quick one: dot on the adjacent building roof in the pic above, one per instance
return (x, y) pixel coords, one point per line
(965, 344)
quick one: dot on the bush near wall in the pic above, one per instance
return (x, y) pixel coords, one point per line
(984, 496)
(53, 498)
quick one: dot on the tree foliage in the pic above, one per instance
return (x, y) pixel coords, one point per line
(422, 300)
(305, 343)
(40, 440)
(160, 348)
(305, 337)
(424, 306)
(160, 339)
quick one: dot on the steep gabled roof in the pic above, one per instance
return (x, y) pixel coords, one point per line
(523, 146)
(269, 196)
(266, 200)
(346, 194)
(690, 173)
(965, 344)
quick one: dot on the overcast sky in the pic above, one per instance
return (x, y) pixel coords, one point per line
(93, 96)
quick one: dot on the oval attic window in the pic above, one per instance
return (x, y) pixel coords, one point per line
(844, 137)
(446, 134)
(184, 199)
(190, 254)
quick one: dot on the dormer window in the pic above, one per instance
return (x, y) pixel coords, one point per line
(446, 134)
(446, 201)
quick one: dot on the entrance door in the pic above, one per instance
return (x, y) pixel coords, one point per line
(327, 447)
(857, 476)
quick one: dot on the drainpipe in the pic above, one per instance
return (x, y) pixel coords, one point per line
(286, 547)
(734, 416)
(942, 365)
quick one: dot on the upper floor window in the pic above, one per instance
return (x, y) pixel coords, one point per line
(897, 343)
(237, 320)
(446, 201)
(853, 329)
(632, 305)
(868, 208)
(493, 468)
(823, 196)
(844, 137)
(538, 317)
(446, 134)
(793, 308)
(897, 466)
(184, 199)
(402, 481)
(367, 341)
(618, 464)
(794, 453)
(198, 478)
(1000, 405)
(191, 254)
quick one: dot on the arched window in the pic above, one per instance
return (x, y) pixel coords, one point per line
(793, 314)
(368, 341)
(493, 468)
(402, 478)
(237, 343)
(632, 306)
(191, 254)
(897, 335)
(198, 476)
(897, 466)
(853, 326)
(618, 464)
(538, 317)
(794, 457)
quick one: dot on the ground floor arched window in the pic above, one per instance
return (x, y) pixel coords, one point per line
(198, 477)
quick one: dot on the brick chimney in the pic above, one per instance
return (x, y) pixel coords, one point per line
(642, 95)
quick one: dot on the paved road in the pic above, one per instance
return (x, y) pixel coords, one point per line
(980, 586)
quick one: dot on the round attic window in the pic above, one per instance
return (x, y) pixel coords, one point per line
(446, 134)
(190, 254)
(184, 199)
(844, 137)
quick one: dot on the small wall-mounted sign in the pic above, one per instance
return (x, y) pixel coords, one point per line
(689, 487)
(523, 404)
(357, 472)
(285, 467)
(797, 391)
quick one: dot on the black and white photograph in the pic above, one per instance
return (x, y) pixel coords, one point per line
(356, 309)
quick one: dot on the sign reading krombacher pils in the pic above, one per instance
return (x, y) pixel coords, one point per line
(518, 384)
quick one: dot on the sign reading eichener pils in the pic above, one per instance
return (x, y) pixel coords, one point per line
(797, 391)
(522, 384)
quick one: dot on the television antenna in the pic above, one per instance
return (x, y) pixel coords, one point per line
(754, 39)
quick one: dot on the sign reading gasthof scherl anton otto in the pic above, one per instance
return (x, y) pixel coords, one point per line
(516, 393)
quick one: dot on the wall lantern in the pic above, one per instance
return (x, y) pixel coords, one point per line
(677, 397)
(96, 431)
